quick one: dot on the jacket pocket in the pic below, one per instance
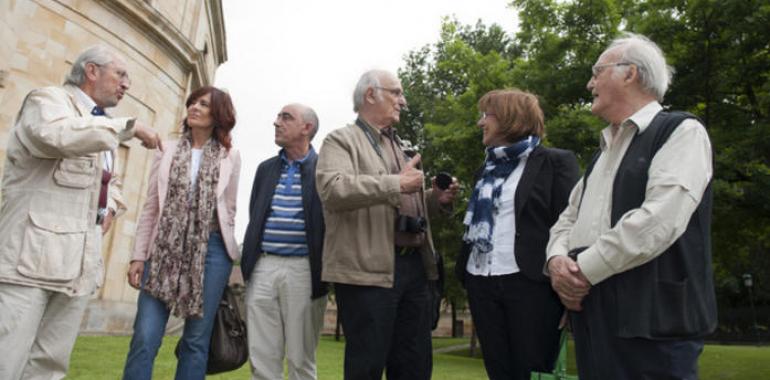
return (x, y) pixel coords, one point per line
(670, 310)
(76, 173)
(52, 247)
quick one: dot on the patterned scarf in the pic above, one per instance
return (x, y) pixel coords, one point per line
(480, 217)
(177, 262)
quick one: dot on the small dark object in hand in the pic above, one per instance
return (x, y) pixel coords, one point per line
(443, 180)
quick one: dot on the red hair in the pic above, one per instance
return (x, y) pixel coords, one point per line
(222, 113)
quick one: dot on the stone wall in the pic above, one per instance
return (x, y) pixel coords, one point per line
(171, 47)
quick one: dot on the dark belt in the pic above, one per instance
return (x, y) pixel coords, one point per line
(403, 251)
(280, 255)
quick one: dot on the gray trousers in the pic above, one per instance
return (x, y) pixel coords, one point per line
(38, 329)
(282, 318)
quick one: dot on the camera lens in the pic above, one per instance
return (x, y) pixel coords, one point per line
(443, 180)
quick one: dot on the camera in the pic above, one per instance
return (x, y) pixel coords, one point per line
(410, 224)
(443, 180)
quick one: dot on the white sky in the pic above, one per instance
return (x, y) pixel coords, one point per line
(313, 52)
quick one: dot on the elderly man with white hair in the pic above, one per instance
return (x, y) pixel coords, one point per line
(59, 195)
(631, 254)
(378, 249)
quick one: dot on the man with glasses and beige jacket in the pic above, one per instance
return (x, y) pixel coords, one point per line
(59, 195)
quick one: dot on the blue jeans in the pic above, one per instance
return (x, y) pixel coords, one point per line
(152, 316)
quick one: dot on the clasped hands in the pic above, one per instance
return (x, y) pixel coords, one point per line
(568, 282)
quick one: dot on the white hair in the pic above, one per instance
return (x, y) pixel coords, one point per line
(369, 79)
(309, 116)
(654, 74)
(99, 55)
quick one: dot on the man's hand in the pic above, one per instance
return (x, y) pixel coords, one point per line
(411, 179)
(107, 222)
(568, 281)
(447, 196)
(135, 271)
(149, 138)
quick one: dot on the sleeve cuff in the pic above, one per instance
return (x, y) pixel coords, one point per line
(127, 131)
(593, 266)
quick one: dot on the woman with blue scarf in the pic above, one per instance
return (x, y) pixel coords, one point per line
(519, 193)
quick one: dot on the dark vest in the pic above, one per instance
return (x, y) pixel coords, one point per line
(671, 296)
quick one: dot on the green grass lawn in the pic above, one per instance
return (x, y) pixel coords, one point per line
(102, 357)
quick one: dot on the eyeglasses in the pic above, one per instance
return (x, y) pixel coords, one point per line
(122, 74)
(484, 115)
(596, 70)
(397, 92)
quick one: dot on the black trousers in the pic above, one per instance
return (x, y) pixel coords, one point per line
(517, 323)
(388, 328)
(601, 354)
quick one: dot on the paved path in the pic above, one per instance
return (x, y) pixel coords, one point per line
(456, 347)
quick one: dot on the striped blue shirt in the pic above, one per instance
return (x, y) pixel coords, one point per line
(284, 232)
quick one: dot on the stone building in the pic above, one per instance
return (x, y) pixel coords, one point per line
(171, 48)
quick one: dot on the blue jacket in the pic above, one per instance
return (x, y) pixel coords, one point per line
(268, 174)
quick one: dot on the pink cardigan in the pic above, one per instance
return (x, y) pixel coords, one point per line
(227, 192)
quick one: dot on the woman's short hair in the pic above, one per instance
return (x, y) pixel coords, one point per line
(518, 112)
(222, 112)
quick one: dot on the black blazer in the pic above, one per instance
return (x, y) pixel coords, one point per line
(541, 195)
(268, 174)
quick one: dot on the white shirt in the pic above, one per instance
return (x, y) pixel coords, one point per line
(678, 176)
(89, 103)
(195, 165)
(502, 259)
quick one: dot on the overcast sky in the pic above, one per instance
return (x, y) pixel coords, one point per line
(313, 52)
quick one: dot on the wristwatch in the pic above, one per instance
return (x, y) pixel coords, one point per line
(101, 214)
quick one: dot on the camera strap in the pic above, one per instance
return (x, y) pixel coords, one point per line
(369, 136)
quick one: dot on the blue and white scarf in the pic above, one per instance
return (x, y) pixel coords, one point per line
(480, 217)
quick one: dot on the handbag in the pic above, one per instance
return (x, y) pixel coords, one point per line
(229, 348)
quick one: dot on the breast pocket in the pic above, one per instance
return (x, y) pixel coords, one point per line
(77, 173)
(52, 247)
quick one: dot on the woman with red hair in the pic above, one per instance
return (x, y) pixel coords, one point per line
(185, 243)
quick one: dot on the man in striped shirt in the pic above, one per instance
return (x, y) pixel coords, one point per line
(281, 260)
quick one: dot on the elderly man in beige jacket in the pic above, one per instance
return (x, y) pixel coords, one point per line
(378, 249)
(58, 197)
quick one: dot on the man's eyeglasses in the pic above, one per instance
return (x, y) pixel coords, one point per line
(121, 73)
(397, 92)
(597, 69)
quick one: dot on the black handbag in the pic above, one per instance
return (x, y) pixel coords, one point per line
(229, 348)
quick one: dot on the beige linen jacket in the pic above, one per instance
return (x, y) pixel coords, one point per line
(360, 200)
(48, 233)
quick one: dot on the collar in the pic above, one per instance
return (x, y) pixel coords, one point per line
(83, 98)
(640, 120)
(644, 116)
(310, 153)
(374, 131)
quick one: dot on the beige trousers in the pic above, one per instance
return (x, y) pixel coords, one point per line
(281, 318)
(38, 329)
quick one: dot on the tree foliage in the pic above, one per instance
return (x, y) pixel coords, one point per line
(721, 55)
